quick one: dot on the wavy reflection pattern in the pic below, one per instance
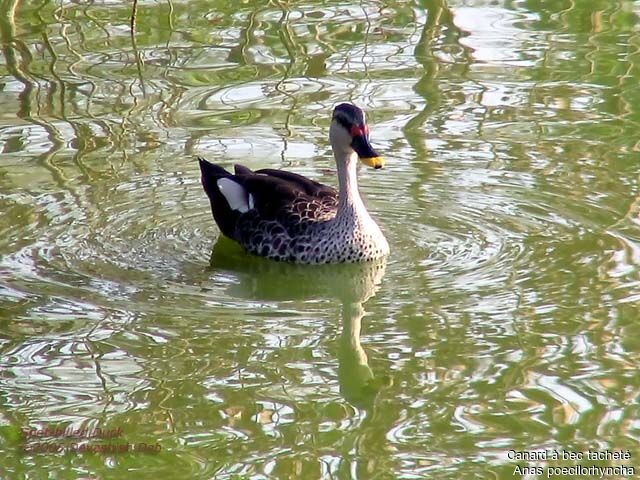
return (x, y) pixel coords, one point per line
(506, 314)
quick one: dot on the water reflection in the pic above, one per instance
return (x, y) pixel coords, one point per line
(255, 278)
(506, 318)
(258, 279)
(358, 383)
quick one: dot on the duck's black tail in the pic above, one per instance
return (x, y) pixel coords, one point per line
(224, 216)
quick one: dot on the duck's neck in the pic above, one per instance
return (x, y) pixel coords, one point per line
(349, 200)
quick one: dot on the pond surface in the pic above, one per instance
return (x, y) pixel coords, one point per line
(502, 321)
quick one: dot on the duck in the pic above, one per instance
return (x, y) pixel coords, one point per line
(284, 216)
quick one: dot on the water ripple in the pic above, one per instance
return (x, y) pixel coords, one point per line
(504, 318)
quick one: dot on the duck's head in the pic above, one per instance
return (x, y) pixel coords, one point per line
(349, 133)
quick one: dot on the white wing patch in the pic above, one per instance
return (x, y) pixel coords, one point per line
(235, 194)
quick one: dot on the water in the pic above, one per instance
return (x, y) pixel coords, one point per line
(503, 319)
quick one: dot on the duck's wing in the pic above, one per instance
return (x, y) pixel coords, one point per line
(298, 196)
(292, 200)
(310, 187)
(268, 195)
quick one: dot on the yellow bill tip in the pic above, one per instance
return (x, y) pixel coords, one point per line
(375, 162)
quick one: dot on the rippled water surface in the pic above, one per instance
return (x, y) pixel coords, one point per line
(503, 319)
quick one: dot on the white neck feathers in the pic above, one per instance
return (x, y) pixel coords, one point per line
(349, 200)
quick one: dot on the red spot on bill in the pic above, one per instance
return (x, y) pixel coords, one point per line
(357, 131)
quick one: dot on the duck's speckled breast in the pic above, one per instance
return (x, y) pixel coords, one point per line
(329, 241)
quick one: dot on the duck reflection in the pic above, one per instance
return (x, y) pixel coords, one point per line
(358, 385)
(352, 284)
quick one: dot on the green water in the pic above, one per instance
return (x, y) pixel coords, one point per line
(505, 319)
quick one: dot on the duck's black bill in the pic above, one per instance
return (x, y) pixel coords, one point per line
(365, 151)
